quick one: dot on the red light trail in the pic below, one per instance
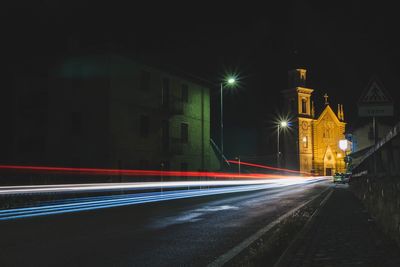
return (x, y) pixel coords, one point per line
(267, 167)
(97, 171)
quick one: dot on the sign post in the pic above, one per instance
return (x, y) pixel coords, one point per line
(375, 102)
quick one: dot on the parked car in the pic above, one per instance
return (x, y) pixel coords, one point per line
(341, 178)
(338, 177)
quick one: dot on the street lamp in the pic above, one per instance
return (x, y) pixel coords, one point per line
(281, 124)
(238, 158)
(343, 145)
(230, 82)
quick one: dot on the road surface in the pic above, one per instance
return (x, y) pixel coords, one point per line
(183, 232)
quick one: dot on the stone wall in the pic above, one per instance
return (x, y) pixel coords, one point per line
(376, 181)
(381, 196)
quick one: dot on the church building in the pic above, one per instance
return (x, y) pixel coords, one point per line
(311, 142)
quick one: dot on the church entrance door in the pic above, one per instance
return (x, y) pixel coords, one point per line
(329, 161)
(328, 171)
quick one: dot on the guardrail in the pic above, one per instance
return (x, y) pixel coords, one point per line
(214, 145)
(379, 158)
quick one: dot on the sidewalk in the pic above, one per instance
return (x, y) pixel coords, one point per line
(342, 234)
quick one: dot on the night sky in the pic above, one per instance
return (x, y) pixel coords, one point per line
(341, 45)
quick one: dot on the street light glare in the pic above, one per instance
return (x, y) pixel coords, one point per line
(343, 144)
(284, 123)
(231, 81)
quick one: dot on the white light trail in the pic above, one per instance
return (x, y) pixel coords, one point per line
(101, 202)
(72, 188)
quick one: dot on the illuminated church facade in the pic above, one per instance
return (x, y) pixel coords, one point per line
(312, 142)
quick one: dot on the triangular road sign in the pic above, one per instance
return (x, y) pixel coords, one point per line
(375, 100)
(375, 93)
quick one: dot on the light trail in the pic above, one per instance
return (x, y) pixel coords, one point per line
(247, 182)
(101, 202)
(141, 173)
(73, 188)
(267, 167)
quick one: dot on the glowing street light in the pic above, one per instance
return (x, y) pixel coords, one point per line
(343, 145)
(230, 82)
(281, 124)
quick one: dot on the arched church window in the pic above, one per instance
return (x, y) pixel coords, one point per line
(327, 133)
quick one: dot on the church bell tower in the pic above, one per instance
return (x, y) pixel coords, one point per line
(298, 146)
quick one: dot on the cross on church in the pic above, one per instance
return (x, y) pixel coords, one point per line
(326, 99)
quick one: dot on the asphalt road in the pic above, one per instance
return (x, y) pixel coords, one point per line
(185, 232)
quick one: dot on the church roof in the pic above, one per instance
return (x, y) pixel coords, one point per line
(329, 110)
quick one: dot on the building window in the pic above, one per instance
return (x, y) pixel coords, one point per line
(165, 92)
(165, 135)
(76, 122)
(184, 133)
(185, 93)
(144, 80)
(144, 126)
(166, 84)
(305, 142)
(184, 166)
(303, 105)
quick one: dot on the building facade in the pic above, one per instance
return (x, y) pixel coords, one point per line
(110, 111)
(312, 142)
(362, 137)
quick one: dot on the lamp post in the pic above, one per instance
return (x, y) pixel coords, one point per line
(230, 81)
(162, 175)
(282, 124)
(238, 158)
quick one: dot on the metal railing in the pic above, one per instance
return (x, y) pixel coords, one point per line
(215, 146)
(372, 158)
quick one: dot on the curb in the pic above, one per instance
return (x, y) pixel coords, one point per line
(235, 251)
(285, 257)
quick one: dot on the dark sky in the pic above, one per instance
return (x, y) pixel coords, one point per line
(340, 44)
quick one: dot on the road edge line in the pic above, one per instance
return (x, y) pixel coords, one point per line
(230, 254)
